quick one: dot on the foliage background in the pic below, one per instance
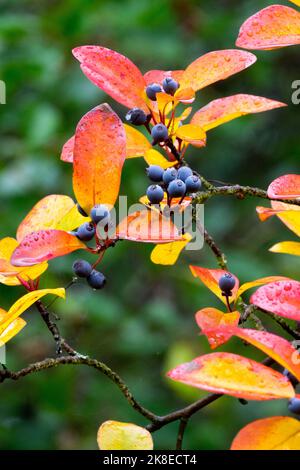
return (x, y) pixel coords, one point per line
(143, 322)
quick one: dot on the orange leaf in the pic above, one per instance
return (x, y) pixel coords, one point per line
(157, 76)
(149, 227)
(234, 375)
(113, 73)
(285, 187)
(259, 282)
(215, 66)
(192, 134)
(44, 245)
(289, 214)
(274, 433)
(282, 298)
(210, 278)
(223, 110)
(136, 143)
(270, 28)
(52, 212)
(99, 154)
(67, 150)
(210, 320)
(289, 248)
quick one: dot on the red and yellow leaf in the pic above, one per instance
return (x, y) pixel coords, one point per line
(8, 273)
(210, 320)
(289, 248)
(99, 154)
(274, 433)
(114, 435)
(24, 303)
(192, 134)
(174, 206)
(148, 226)
(230, 374)
(44, 245)
(168, 253)
(210, 278)
(285, 187)
(259, 282)
(282, 298)
(215, 66)
(68, 150)
(136, 143)
(289, 214)
(157, 76)
(223, 110)
(270, 28)
(113, 73)
(52, 212)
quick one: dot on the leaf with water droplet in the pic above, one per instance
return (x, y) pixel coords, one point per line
(282, 298)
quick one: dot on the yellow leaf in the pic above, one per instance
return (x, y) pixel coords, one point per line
(192, 134)
(114, 435)
(136, 143)
(274, 433)
(168, 253)
(289, 248)
(153, 157)
(25, 302)
(12, 330)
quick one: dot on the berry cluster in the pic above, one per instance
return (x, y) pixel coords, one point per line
(86, 232)
(175, 183)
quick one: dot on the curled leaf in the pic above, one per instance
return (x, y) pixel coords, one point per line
(285, 187)
(114, 435)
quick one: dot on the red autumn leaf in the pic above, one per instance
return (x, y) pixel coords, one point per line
(44, 245)
(270, 28)
(215, 66)
(281, 297)
(157, 76)
(215, 325)
(285, 187)
(67, 150)
(113, 73)
(223, 110)
(99, 154)
(234, 375)
(210, 278)
(148, 226)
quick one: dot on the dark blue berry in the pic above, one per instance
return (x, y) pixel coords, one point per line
(193, 184)
(151, 91)
(176, 188)
(96, 280)
(82, 268)
(155, 173)
(99, 213)
(136, 116)
(184, 172)
(81, 211)
(155, 194)
(291, 377)
(85, 232)
(170, 85)
(169, 175)
(159, 133)
(294, 406)
(227, 283)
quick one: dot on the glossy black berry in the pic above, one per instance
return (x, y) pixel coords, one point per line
(151, 91)
(159, 133)
(155, 173)
(100, 212)
(81, 211)
(96, 280)
(170, 85)
(291, 377)
(136, 116)
(155, 194)
(294, 405)
(86, 232)
(176, 188)
(169, 175)
(193, 184)
(226, 283)
(82, 268)
(184, 172)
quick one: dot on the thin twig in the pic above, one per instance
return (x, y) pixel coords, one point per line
(182, 427)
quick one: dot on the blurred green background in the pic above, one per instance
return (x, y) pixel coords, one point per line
(143, 322)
